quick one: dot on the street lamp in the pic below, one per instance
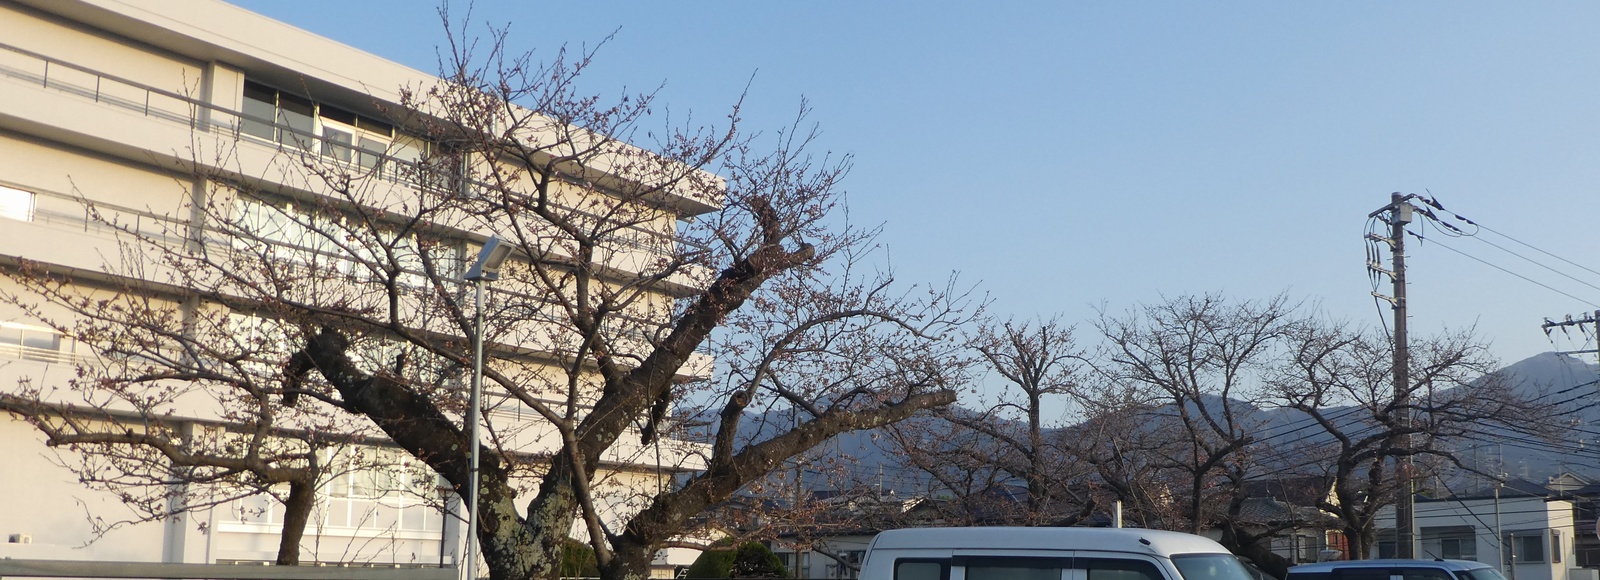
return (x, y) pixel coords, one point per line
(486, 269)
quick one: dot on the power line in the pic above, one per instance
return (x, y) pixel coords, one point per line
(1497, 267)
(1537, 263)
(1434, 203)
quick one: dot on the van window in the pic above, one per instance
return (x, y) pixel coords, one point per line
(1210, 567)
(913, 569)
(1013, 567)
(1119, 569)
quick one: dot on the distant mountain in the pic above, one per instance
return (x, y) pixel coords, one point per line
(868, 455)
(1561, 378)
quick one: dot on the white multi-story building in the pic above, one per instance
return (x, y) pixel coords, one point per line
(110, 113)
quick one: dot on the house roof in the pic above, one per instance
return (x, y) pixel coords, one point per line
(1300, 490)
(1513, 487)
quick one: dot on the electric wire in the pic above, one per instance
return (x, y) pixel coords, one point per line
(1536, 262)
(1497, 267)
(1434, 203)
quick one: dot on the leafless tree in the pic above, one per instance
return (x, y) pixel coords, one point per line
(595, 326)
(1005, 462)
(1199, 362)
(1342, 380)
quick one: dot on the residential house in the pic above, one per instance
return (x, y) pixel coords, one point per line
(1525, 527)
(1287, 510)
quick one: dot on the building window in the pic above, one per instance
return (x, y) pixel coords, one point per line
(332, 132)
(260, 112)
(1453, 542)
(373, 489)
(1555, 546)
(16, 204)
(292, 234)
(1525, 546)
(384, 489)
(21, 341)
(325, 243)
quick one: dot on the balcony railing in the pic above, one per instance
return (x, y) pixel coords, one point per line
(114, 91)
(104, 219)
(45, 355)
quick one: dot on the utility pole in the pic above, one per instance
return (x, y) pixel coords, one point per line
(1397, 214)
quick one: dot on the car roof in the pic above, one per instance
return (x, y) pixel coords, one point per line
(1451, 565)
(1138, 540)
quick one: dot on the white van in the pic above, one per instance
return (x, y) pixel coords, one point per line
(1047, 554)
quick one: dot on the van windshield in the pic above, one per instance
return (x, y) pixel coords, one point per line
(1210, 567)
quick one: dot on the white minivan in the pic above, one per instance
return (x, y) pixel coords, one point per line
(1047, 554)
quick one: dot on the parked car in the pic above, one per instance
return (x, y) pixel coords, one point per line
(1047, 554)
(1395, 570)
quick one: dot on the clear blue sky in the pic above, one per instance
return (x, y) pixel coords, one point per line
(1071, 154)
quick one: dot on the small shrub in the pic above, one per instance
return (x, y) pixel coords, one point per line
(711, 564)
(577, 560)
(754, 560)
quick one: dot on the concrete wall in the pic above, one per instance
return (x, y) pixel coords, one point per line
(48, 505)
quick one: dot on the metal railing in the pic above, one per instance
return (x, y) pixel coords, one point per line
(198, 115)
(34, 353)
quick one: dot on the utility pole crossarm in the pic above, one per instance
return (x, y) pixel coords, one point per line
(1591, 319)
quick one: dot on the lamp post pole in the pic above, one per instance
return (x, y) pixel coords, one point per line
(473, 420)
(485, 269)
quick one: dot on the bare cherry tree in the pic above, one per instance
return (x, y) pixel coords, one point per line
(636, 271)
(1341, 379)
(1199, 362)
(1004, 461)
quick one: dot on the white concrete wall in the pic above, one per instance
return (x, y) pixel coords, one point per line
(46, 502)
(73, 42)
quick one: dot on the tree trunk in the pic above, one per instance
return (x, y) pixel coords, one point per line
(1251, 546)
(296, 513)
(1360, 542)
(630, 563)
(515, 548)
